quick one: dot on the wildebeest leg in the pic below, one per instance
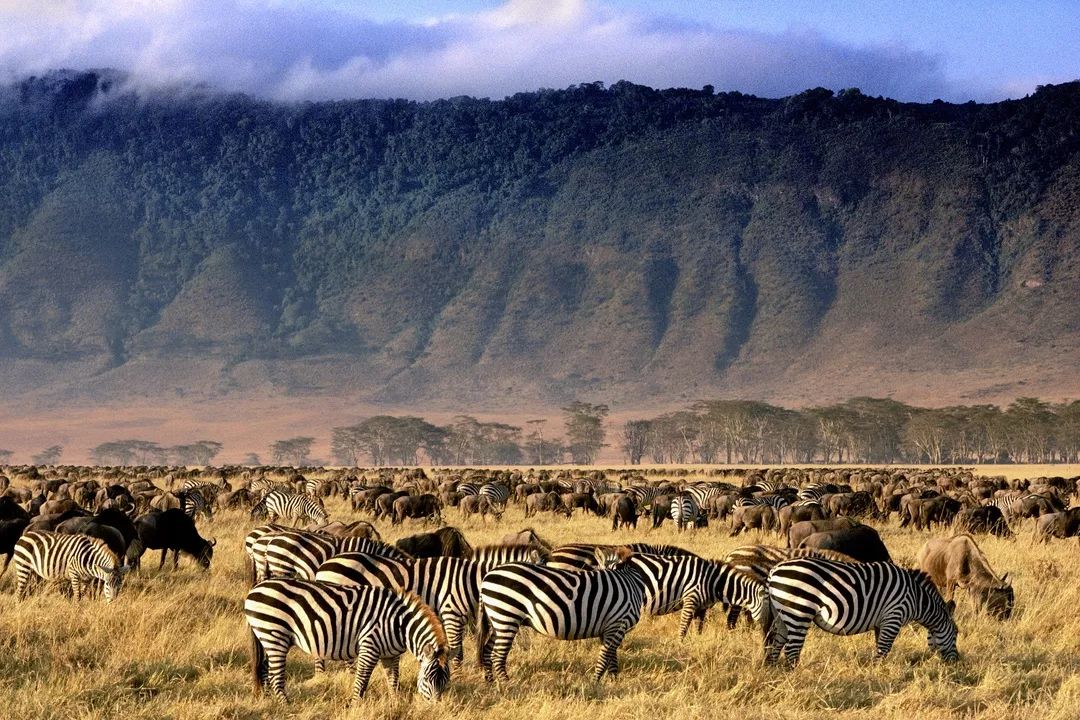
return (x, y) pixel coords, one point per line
(164, 552)
(175, 559)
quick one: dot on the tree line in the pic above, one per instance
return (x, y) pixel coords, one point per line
(859, 430)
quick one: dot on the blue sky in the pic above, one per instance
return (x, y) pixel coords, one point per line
(318, 49)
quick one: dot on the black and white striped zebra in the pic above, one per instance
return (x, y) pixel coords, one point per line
(815, 492)
(331, 622)
(297, 553)
(775, 501)
(684, 511)
(583, 556)
(853, 598)
(81, 560)
(564, 604)
(643, 495)
(469, 488)
(704, 494)
(691, 585)
(293, 506)
(497, 493)
(451, 586)
(261, 486)
(194, 503)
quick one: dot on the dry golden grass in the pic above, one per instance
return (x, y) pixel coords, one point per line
(174, 645)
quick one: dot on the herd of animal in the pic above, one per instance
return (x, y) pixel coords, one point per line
(337, 591)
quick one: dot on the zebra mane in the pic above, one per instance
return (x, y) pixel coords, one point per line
(738, 572)
(101, 546)
(413, 601)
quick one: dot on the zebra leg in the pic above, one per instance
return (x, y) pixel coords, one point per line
(733, 612)
(885, 636)
(391, 664)
(362, 669)
(320, 665)
(453, 623)
(689, 612)
(76, 587)
(700, 617)
(504, 640)
(23, 586)
(609, 658)
(275, 670)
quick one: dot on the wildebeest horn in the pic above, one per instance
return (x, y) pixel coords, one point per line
(213, 542)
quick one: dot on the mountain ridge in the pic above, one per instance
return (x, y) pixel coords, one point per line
(618, 244)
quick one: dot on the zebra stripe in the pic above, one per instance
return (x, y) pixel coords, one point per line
(344, 623)
(852, 598)
(194, 503)
(496, 492)
(582, 556)
(451, 586)
(293, 506)
(692, 585)
(684, 511)
(79, 559)
(775, 501)
(469, 488)
(292, 553)
(565, 604)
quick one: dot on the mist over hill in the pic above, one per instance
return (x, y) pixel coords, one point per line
(620, 244)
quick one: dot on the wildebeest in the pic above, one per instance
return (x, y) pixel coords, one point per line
(10, 510)
(797, 513)
(172, 530)
(545, 502)
(984, 519)
(384, 503)
(448, 541)
(861, 542)
(941, 510)
(10, 530)
(749, 517)
(417, 507)
(112, 526)
(583, 500)
(958, 562)
(1060, 525)
(356, 529)
(479, 505)
(624, 513)
(803, 529)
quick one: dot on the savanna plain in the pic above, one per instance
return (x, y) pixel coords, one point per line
(175, 645)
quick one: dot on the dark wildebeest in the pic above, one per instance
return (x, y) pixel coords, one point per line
(10, 531)
(624, 513)
(446, 541)
(958, 562)
(797, 513)
(365, 499)
(1060, 525)
(545, 502)
(172, 529)
(940, 510)
(851, 504)
(48, 523)
(661, 509)
(983, 519)
(750, 517)
(11, 510)
(479, 505)
(384, 503)
(417, 507)
(584, 500)
(803, 529)
(861, 542)
(1035, 506)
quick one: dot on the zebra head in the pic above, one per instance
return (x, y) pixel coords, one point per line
(434, 675)
(612, 558)
(937, 617)
(112, 577)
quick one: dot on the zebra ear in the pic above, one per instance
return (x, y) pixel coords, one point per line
(951, 606)
(427, 652)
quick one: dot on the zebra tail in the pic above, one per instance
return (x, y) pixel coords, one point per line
(483, 632)
(258, 662)
(768, 619)
(251, 570)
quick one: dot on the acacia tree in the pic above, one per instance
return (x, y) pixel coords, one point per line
(49, 455)
(294, 451)
(635, 440)
(5, 456)
(585, 430)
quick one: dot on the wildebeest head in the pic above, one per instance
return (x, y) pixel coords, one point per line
(206, 554)
(998, 599)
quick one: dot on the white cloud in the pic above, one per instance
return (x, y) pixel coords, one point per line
(299, 53)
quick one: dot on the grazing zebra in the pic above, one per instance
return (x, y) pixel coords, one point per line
(292, 553)
(757, 560)
(288, 505)
(80, 559)
(496, 492)
(684, 511)
(703, 494)
(450, 586)
(582, 556)
(852, 598)
(194, 503)
(332, 622)
(691, 585)
(565, 604)
(644, 496)
(815, 492)
(262, 486)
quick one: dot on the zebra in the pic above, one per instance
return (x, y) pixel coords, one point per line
(262, 486)
(815, 492)
(582, 556)
(194, 503)
(496, 492)
(691, 585)
(757, 560)
(704, 494)
(450, 586)
(776, 501)
(80, 559)
(684, 511)
(565, 604)
(469, 488)
(364, 624)
(286, 505)
(292, 553)
(644, 496)
(852, 598)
